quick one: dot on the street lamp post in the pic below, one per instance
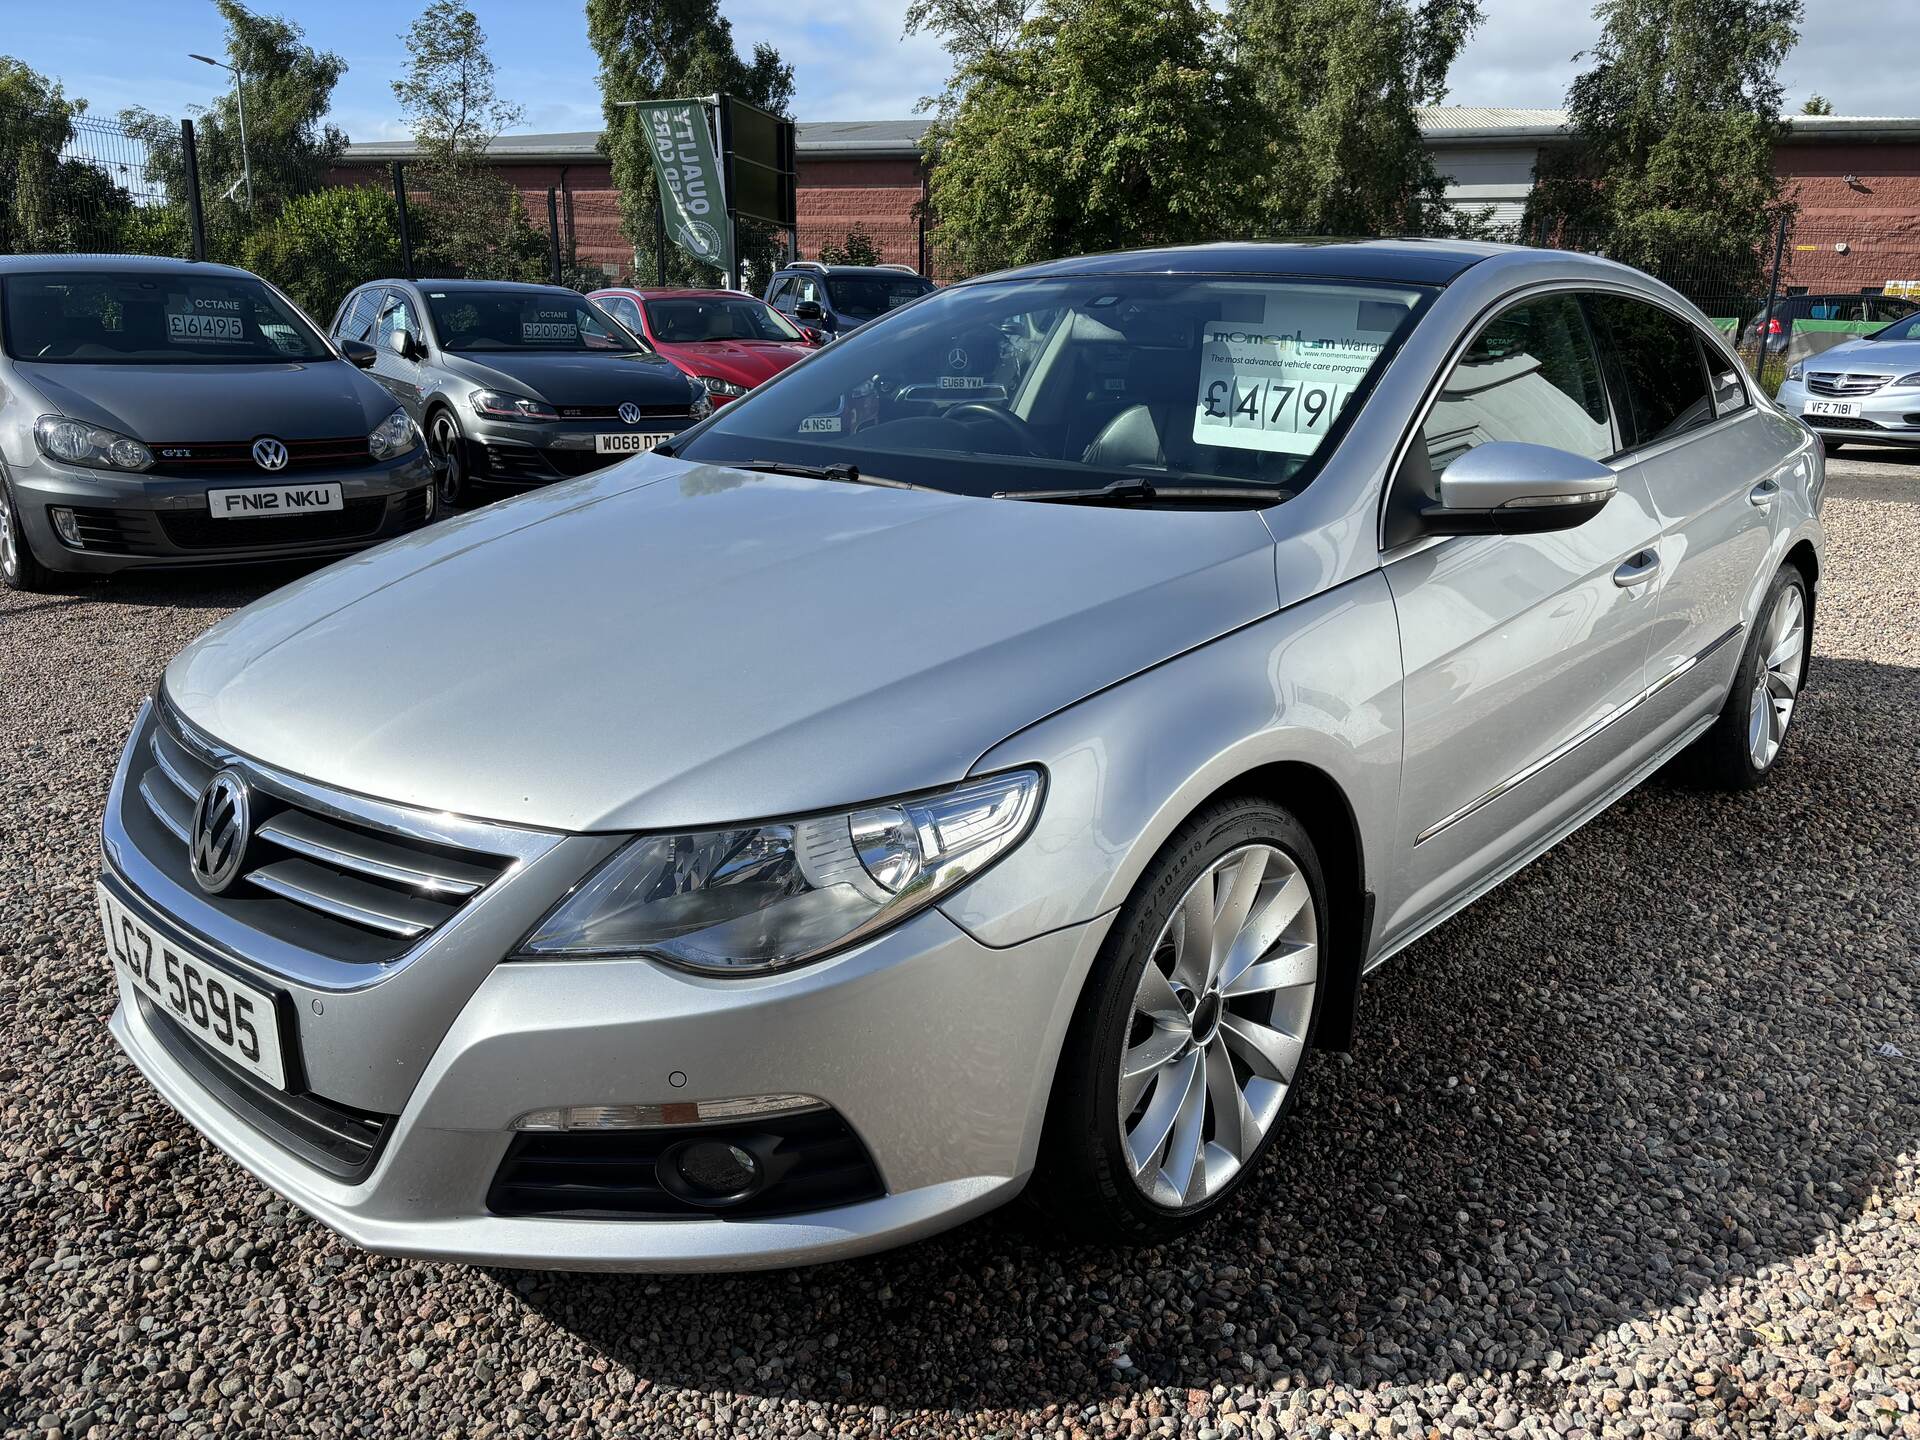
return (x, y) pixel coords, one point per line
(240, 100)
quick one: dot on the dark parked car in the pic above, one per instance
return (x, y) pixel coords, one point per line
(158, 413)
(516, 386)
(835, 299)
(1777, 321)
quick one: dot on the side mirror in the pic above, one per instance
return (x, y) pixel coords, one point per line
(404, 345)
(809, 310)
(1508, 488)
(813, 336)
(359, 353)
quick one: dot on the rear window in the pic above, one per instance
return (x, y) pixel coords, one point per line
(865, 296)
(104, 318)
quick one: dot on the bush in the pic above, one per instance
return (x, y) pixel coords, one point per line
(857, 249)
(322, 245)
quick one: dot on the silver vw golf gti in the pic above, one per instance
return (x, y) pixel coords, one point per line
(920, 784)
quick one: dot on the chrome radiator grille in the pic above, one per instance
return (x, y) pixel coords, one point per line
(363, 892)
(1827, 382)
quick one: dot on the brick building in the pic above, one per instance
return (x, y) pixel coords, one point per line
(1856, 180)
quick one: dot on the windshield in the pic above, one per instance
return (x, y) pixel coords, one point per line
(689, 321)
(1028, 385)
(523, 320)
(103, 318)
(1907, 329)
(865, 296)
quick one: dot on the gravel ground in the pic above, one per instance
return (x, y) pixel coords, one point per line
(1628, 1147)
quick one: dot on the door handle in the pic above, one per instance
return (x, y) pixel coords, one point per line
(1637, 569)
(1764, 494)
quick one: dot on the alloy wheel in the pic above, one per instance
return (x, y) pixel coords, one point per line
(1218, 1026)
(9, 542)
(1777, 682)
(444, 442)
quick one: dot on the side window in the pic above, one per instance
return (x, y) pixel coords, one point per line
(627, 313)
(1656, 368)
(357, 319)
(782, 298)
(811, 290)
(397, 317)
(1531, 375)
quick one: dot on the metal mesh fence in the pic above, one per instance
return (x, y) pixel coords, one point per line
(89, 190)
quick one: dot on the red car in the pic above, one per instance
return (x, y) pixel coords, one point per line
(727, 341)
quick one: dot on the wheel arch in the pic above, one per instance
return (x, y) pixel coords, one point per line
(1315, 798)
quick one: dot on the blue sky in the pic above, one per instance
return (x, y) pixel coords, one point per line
(850, 61)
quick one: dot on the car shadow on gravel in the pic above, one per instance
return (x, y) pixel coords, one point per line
(1640, 1072)
(221, 589)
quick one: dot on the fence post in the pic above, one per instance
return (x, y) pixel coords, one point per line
(1773, 286)
(573, 231)
(553, 235)
(400, 207)
(659, 241)
(196, 220)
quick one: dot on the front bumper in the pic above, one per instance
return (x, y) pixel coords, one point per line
(152, 522)
(1885, 417)
(524, 456)
(938, 1052)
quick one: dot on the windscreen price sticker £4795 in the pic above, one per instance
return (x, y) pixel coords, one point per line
(1275, 391)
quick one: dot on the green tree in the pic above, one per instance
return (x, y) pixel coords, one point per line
(322, 245)
(289, 147)
(1669, 160)
(673, 49)
(48, 203)
(1817, 104)
(1099, 124)
(472, 221)
(1337, 149)
(857, 248)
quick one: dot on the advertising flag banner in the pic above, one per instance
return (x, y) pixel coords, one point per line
(688, 171)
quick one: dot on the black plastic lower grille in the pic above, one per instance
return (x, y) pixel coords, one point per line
(524, 465)
(812, 1159)
(1841, 422)
(199, 530)
(334, 1138)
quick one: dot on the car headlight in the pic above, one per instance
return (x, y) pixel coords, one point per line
(702, 403)
(716, 386)
(1905, 380)
(1796, 370)
(499, 405)
(78, 443)
(751, 899)
(392, 436)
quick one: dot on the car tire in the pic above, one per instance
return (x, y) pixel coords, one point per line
(1741, 748)
(1086, 1184)
(449, 450)
(20, 568)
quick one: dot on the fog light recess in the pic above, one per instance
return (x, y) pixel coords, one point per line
(66, 526)
(710, 1172)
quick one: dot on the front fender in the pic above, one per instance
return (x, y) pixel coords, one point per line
(1317, 684)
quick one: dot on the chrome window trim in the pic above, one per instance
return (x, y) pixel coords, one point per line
(1574, 742)
(1620, 459)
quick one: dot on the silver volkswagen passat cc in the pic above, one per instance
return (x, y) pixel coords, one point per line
(920, 783)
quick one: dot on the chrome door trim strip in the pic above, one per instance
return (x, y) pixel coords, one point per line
(1567, 747)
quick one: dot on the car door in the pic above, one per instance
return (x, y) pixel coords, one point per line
(1524, 655)
(405, 376)
(1714, 468)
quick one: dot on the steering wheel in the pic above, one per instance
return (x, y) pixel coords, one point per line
(1010, 423)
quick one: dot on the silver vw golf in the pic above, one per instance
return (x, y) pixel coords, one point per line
(985, 760)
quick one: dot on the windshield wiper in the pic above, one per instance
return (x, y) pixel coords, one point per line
(851, 474)
(1130, 487)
